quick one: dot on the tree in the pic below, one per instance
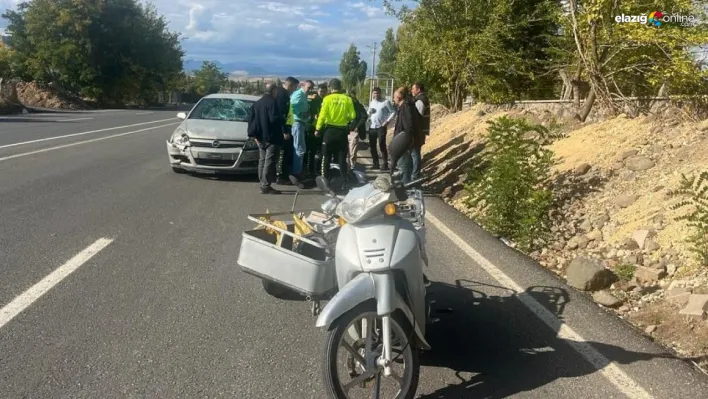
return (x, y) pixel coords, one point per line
(629, 59)
(352, 68)
(209, 78)
(387, 56)
(489, 49)
(113, 50)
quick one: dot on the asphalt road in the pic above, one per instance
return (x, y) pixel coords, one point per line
(160, 309)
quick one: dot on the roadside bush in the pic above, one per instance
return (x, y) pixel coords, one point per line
(511, 196)
(625, 271)
(694, 191)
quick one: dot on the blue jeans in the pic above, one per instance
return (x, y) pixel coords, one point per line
(417, 161)
(405, 165)
(299, 133)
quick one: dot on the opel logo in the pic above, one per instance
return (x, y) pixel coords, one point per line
(215, 143)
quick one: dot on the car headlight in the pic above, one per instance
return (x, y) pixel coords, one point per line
(179, 137)
(250, 144)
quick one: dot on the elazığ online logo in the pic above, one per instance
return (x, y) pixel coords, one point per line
(657, 18)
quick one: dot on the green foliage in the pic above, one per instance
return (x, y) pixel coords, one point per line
(694, 191)
(511, 191)
(625, 271)
(114, 50)
(387, 55)
(352, 68)
(6, 56)
(209, 79)
(632, 59)
(493, 50)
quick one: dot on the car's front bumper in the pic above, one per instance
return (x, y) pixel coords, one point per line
(213, 160)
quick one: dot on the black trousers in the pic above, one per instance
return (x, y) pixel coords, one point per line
(378, 136)
(285, 163)
(335, 146)
(313, 154)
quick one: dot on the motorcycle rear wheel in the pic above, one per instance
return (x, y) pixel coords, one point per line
(333, 384)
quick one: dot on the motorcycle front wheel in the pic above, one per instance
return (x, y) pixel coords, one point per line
(350, 369)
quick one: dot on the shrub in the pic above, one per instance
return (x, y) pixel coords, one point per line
(625, 271)
(695, 197)
(512, 194)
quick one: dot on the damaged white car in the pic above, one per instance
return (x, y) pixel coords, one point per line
(213, 137)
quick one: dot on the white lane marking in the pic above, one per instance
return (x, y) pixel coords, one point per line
(71, 120)
(145, 113)
(82, 142)
(608, 369)
(83, 133)
(24, 300)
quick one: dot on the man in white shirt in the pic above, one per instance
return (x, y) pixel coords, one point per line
(422, 104)
(381, 112)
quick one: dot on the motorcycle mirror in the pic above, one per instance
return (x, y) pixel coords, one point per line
(323, 185)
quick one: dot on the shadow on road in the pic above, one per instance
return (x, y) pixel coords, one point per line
(498, 347)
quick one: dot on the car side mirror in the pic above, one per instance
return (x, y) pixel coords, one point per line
(182, 115)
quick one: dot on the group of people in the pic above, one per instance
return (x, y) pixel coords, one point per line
(301, 131)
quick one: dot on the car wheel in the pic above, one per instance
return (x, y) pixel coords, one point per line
(179, 170)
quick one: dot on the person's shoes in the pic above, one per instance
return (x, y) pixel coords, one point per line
(269, 190)
(296, 182)
(283, 182)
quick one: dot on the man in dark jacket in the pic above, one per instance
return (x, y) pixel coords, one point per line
(265, 125)
(422, 104)
(406, 118)
(286, 154)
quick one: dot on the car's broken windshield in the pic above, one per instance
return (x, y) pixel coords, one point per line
(222, 109)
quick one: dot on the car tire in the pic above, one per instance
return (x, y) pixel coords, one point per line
(179, 170)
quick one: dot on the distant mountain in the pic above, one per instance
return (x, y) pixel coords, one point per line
(255, 70)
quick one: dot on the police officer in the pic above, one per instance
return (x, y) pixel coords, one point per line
(333, 124)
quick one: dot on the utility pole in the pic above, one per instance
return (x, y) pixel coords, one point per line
(373, 70)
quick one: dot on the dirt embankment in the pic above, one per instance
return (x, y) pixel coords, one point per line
(612, 209)
(51, 96)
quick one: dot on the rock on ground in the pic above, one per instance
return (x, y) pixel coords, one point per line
(697, 306)
(604, 298)
(588, 274)
(639, 163)
(625, 200)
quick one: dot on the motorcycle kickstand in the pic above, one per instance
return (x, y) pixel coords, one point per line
(316, 308)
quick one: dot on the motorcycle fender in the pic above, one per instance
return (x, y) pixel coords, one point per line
(362, 288)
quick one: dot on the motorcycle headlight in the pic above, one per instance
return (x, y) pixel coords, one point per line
(351, 211)
(179, 137)
(250, 144)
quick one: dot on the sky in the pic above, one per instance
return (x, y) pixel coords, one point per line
(306, 33)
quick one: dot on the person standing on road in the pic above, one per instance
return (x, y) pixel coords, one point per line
(406, 118)
(357, 130)
(286, 157)
(265, 125)
(382, 112)
(301, 119)
(422, 104)
(334, 120)
(314, 144)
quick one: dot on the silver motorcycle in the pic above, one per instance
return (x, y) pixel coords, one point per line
(376, 322)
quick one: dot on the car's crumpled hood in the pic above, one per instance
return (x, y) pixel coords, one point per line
(215, 130)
